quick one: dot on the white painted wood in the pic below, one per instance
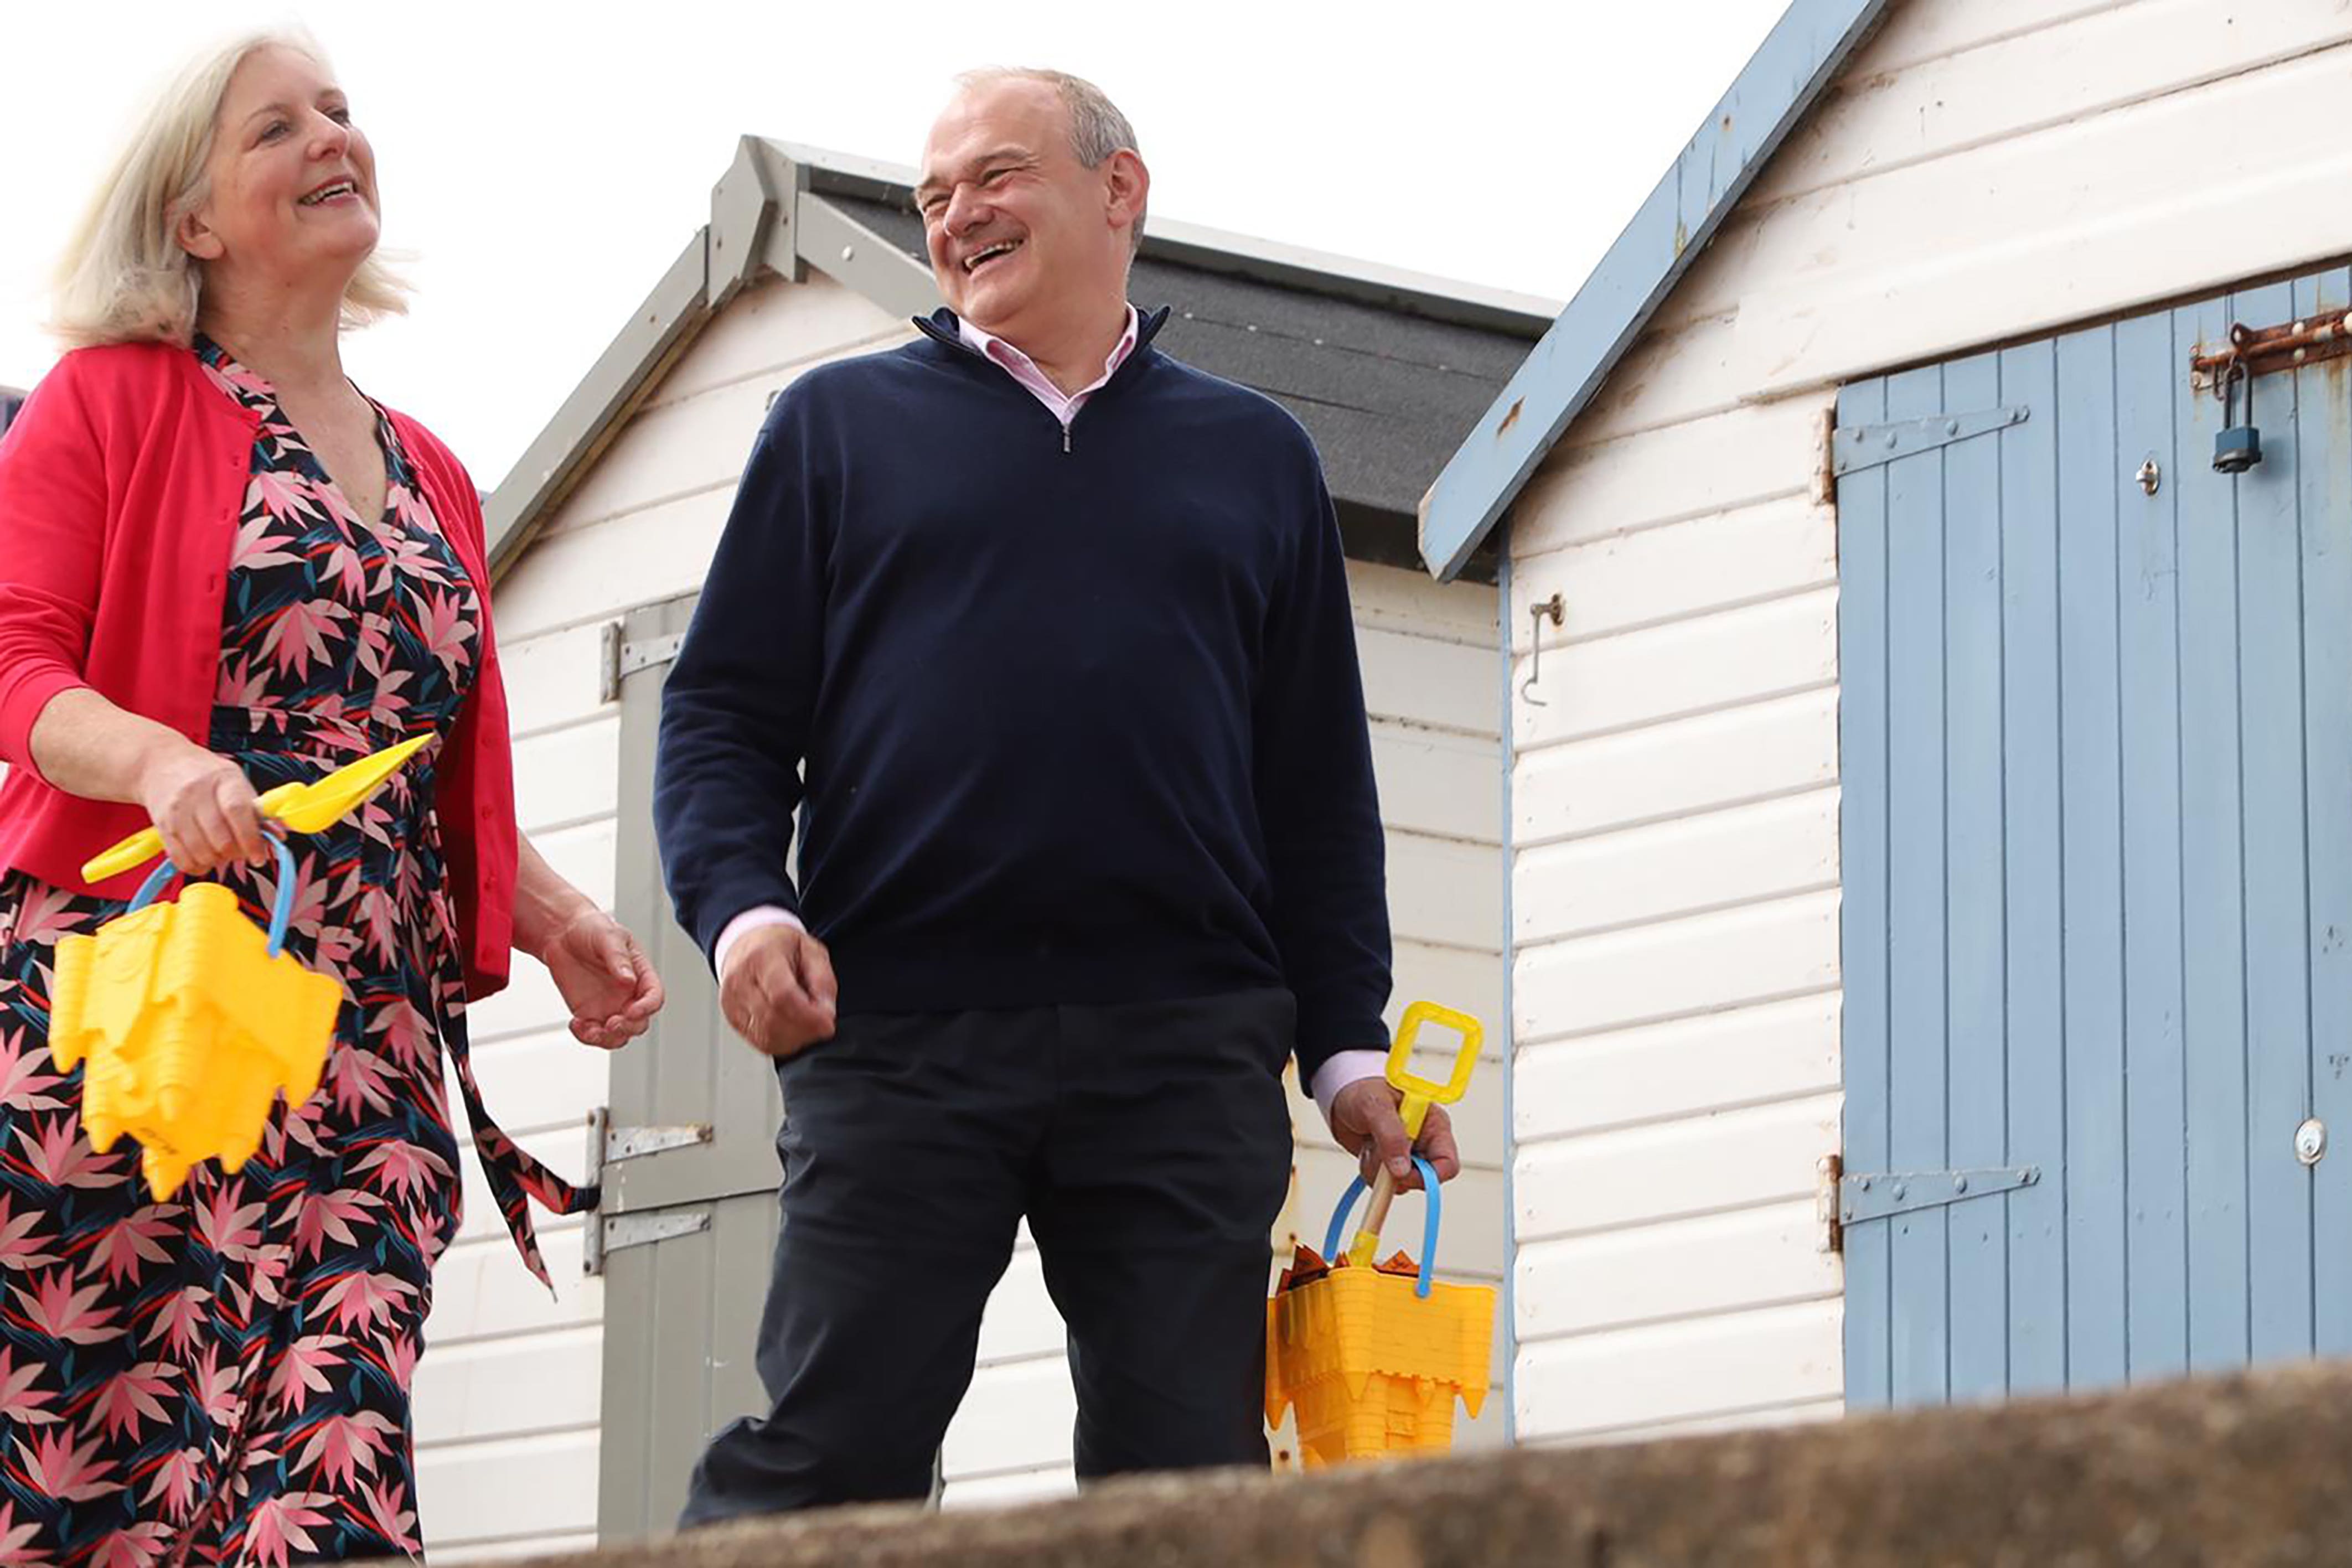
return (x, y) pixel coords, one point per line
(568, 777)
(1888, 118)
(1799, 1413)
(1727, 758)
(1741, 458)
(2187, 192)
(1677, 968)
(1621, 582)
(1716, 1062)
(593, 575)
(1419, 680)
(549, 1382)
(1011, 1491)
(537, 1084)
(1395, 598)
(481, 1290)
(1445, 891)
(1731, 1364)
(1677, 670)
(1683, 1268)
(1438, 783)
(772, 325)
(532, 1487)
(1638, 1176)
(1739, 855)
(553, 680)
(1016, 1417)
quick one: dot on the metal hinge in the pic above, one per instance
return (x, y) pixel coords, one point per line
(1858, 1200)
(623, 659)
(1854, 447)
(607, 1146)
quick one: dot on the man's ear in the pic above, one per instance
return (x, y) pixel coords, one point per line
(196, 238)
(1127, 186)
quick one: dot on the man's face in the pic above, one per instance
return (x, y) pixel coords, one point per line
(1020, 233)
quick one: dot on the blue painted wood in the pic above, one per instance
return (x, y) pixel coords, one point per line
(1975, 1062)
(1862, 770)
(1919, 1017)
(2324, 439)
(2032, 857)
(2098, 753)
(2093, 494)
(2147, 634)
(2213, 869)
(1792, 67)
(2271, 699)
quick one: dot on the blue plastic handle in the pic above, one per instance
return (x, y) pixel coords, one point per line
(1356, 1189)
(282, 909)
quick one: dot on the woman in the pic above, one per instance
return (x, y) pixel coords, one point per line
(223, 568)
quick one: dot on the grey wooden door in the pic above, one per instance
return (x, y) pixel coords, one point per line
(686, 1228)
(2097, 738)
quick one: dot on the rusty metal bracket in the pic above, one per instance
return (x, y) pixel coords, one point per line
(2260, 351)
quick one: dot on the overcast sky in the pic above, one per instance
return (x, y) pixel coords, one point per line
(543, 164)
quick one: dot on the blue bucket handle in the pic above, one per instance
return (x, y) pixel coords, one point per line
(1432, 1204)
(281, 911)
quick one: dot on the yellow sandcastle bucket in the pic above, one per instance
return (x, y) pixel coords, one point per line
(1374, 1355)
(192, 1021)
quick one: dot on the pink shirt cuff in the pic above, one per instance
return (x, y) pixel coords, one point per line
(1339, 1071)
(750, 920)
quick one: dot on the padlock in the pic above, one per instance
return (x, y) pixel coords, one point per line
(2239, 446)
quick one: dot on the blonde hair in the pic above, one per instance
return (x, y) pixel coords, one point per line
(123, 278)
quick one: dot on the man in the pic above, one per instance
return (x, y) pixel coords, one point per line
(1058, 629)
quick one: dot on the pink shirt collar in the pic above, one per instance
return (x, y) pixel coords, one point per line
(1024, 369)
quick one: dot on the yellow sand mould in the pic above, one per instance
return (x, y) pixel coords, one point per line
(1374, 1355)
(190, 1020)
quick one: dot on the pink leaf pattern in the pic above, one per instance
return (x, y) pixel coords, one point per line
(230, 1372)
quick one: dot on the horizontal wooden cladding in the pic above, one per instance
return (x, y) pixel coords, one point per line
(1741, 855)
(1677, 969)
(676, 448)
(1688, 1269)
(1802, 1412)
(513, 1549)
(1016, 1417)
(569, 777)
(469, 1393)
(1755, 752)
(596, 574)
(1395, 598)
(1735, 1364)
(1660, 1073)
(2184, 191)
(533, 1488)
(1703, 1165)
(481, 1290)
(1670, 672)
(1739, 457)
(1623, 582)
(1416, 680)
(1445, 891)
(1887, 115)
(1006, 1491)
(1438, 783)
(554, 679)
(769, 327)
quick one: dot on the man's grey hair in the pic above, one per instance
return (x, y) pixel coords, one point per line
(1098, 127)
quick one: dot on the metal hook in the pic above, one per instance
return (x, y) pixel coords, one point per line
(1556, 607)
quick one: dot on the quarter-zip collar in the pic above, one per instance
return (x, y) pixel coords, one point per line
(943, 328)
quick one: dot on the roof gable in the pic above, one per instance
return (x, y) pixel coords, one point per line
(1795, 65)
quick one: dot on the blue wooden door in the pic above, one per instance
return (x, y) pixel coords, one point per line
(2097, 752)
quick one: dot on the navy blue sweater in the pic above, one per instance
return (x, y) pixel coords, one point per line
(1078, 713)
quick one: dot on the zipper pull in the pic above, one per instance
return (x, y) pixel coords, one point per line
(1066, 440)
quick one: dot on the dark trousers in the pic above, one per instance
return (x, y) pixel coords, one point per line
(1147, 1144)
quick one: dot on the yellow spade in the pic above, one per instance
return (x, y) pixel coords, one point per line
(303, 808)
(191, 1020)
(1373, 1355)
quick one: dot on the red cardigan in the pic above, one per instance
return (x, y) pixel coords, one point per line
(121, 483)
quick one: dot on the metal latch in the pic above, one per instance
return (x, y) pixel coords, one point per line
(1854, 447)
(622, 659)
(1881, 1195)
(607, 1146)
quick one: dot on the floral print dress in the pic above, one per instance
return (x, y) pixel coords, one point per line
(224, 1379)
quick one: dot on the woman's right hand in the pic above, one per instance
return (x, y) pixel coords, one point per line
(204, 808)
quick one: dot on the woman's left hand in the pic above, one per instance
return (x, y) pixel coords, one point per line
(611, 991)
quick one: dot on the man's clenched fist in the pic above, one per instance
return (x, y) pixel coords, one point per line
(778, 989)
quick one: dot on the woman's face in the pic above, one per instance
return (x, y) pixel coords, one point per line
(293, 193)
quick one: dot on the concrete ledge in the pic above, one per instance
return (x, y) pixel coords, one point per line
(2238, 1470)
